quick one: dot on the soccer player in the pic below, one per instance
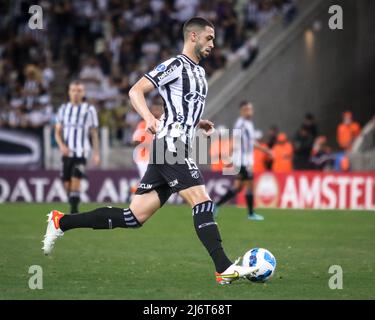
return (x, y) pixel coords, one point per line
(76, 122)
(182, 84)
(243, 160)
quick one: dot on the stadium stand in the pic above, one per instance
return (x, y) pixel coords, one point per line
(108, 44)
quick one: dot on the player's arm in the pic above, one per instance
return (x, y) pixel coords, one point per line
(58, 137)
(95, 145)
(138, 100)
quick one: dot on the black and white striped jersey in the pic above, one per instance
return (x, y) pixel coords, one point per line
(243, 152)
(76, 121)
(183, 86)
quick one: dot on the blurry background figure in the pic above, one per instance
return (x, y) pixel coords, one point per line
(92, 77)
(347, 131)
(282, 152)
(310, 125)
(322, 157)
(76, 133)
(303, 143)
(260, 157)
(220, 148)
(33, 86)
(143, 139)
(243, 160)
(270, 139)
(130, 123)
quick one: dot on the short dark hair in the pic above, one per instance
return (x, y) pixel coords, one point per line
(199, 22)
(76, 83)
(244, 103)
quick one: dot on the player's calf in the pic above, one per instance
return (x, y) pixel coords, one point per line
(208, 233)
(101, 218)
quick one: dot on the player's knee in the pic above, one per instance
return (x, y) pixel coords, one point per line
(196, 195)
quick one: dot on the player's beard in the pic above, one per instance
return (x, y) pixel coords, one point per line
(198, 50)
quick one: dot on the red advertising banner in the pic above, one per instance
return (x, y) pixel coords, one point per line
(316, 190)
(300, 189)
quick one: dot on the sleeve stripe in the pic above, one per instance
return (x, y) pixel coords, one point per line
(149, 78)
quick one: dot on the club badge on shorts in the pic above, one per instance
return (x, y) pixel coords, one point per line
(195, 174)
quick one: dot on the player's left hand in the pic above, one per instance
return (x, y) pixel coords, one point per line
(207, 126)
(96, 158)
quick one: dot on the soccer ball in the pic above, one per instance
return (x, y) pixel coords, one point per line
(263, 259)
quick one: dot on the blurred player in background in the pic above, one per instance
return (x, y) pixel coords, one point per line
(243, 159)
(76, 123)
(182, 84)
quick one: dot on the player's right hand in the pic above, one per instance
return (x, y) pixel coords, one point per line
(152, 125)
(65, 150)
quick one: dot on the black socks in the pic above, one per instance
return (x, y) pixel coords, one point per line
(250, 202)
(229, 195)
(232, 192)
(102, 218)
(209, 235)
(74, 199)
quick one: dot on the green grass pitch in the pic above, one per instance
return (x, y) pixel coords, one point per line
(165, 260)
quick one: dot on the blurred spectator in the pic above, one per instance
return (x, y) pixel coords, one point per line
(309, 124)
(270, 140)
(282, 153)
(185, 9)
(220, 148)
(322, 157)
(266, 13)
(303, 143)
(141, 136)
(92, 77)
(271, 136)
(41, 114)
(48, 75)
(248, 52)
(260, 157)
(341, 161)
(289, 10)
(33, 85)
(131, 121)
(347, 131)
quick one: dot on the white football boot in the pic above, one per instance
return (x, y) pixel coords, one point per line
(235, 272)
(53, 231)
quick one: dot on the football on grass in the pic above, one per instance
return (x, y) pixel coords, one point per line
(262, 258)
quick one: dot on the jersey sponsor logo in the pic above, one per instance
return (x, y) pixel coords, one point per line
(195, 174)
(167, 72)
(161, 68)
(146, 186)
(194, 96)
(173, 183)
